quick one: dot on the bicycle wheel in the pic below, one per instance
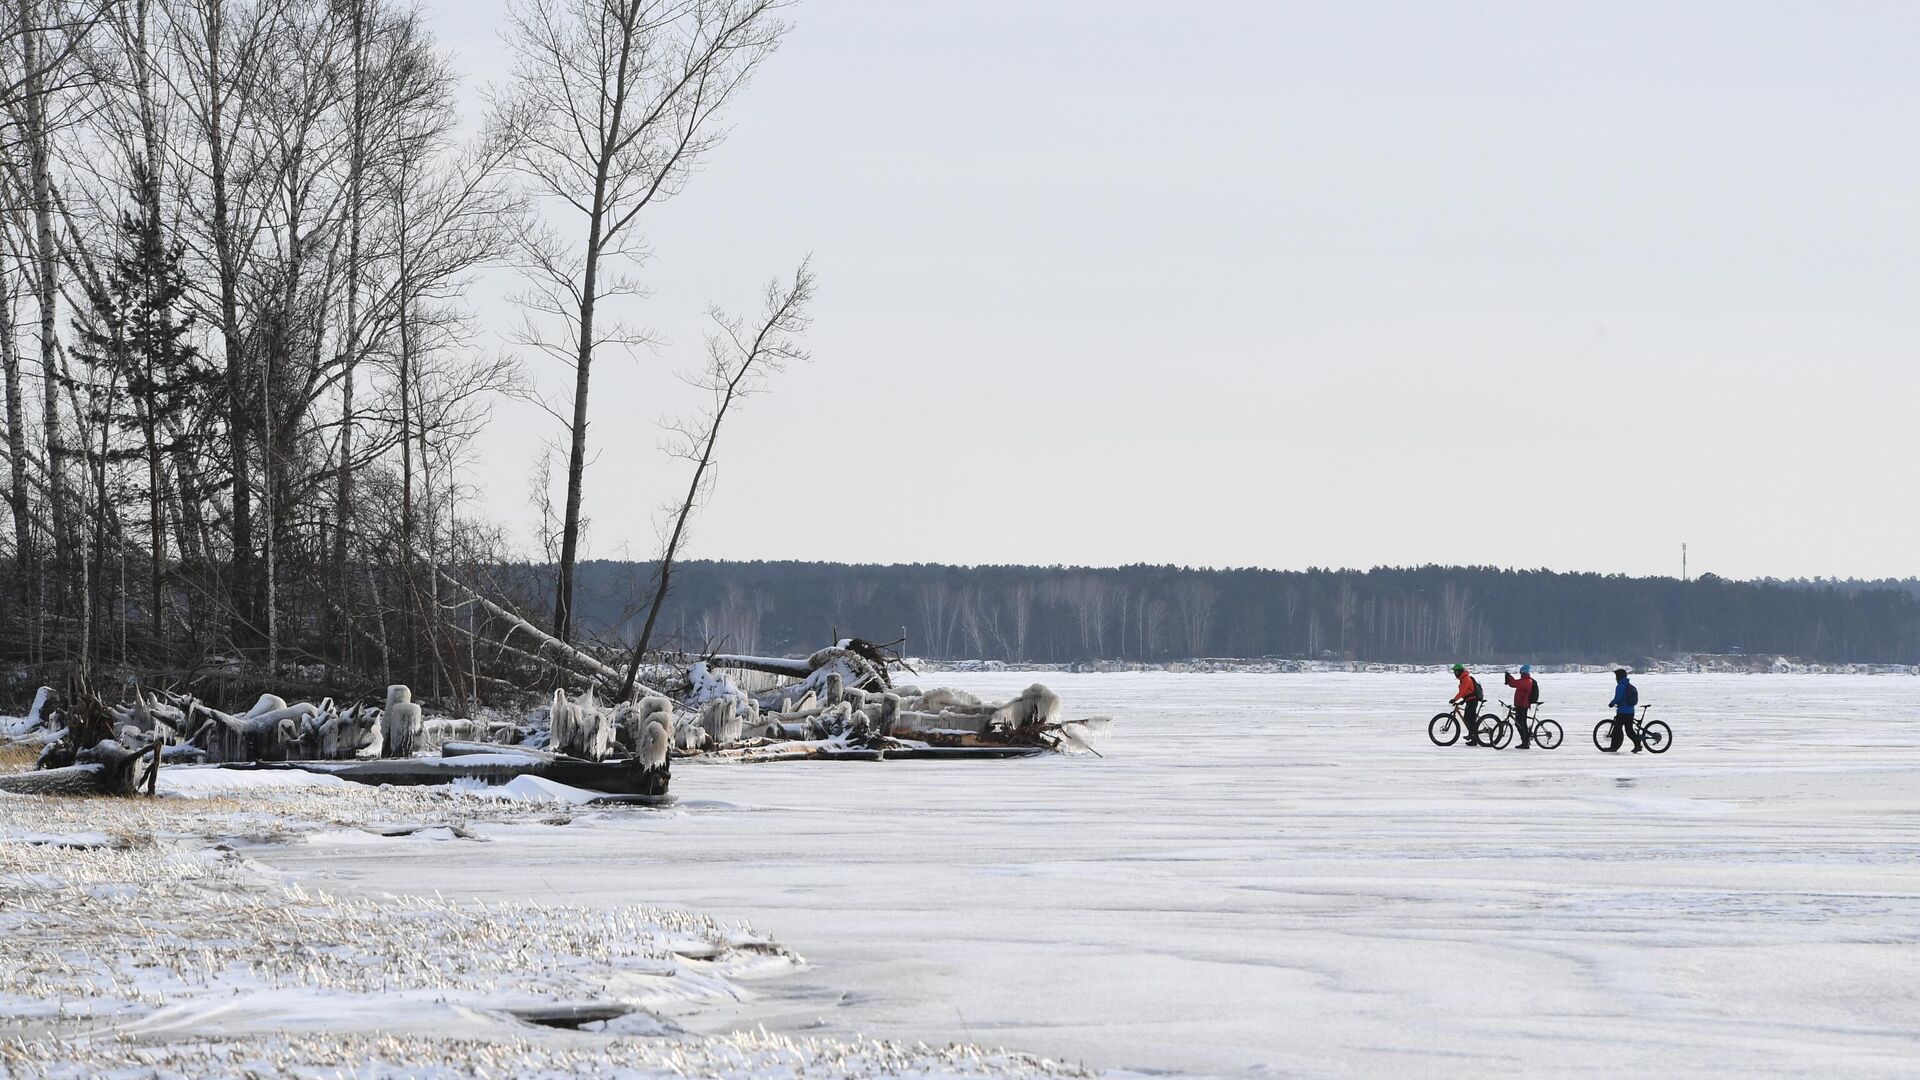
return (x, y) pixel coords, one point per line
(1600, 739)
(1547, 735)
(1443, 730)
(1500, 735)
(1656, 736)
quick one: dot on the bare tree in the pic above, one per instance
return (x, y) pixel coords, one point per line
(220, 50)
(615, 102)
(273, 186)
(42, 37)
(739, 360)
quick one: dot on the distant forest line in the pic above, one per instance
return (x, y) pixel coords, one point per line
(1161, 613)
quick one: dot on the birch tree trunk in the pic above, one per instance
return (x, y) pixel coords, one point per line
(618, 92)
(45, 264)
(16, 446)
(356, 171)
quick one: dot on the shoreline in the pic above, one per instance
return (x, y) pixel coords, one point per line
(142, 934)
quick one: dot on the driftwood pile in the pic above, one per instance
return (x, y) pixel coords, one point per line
(96, 749)
(841, 703)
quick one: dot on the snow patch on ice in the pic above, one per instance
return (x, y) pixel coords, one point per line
(206, 781)
(536, 789)
(65, 840)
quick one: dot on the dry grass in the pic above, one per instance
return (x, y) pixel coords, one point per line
(271, 814)
(150, 925)
(97, 934)
(18, 756)
(756, 1054)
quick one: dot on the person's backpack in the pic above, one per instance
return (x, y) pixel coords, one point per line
(1478, 694)
(1629, 697)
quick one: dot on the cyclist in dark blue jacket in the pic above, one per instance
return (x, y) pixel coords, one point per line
(1625, 700)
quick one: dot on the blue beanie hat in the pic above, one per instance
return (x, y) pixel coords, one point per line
(1526, 669)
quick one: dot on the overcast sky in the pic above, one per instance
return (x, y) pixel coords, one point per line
(1287, 285)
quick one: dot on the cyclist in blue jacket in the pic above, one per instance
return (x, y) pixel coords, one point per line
(1625, 700)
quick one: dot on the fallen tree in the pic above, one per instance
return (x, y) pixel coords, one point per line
(106, 768)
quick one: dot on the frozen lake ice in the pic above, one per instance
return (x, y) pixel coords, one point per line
(1280, 875)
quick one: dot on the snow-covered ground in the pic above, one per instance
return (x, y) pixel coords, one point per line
(1278, 873)
(138, 940)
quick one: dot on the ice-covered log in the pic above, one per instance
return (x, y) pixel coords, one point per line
(331, 733)
(722, 723)
(654, 745)
(689, 738)
(108, 768)
(267, 703)
(68, 780)
(943, 699)
(491, 765)
(770, 665)
(1080, 734)
(654, 709)
(857, 726)
(580, 728)
(560, 720)
(852, 670)
(268, 736)
(708, 686)
(14, 727)
(468, 749)
(399, 723)
(149, 718)
(441, 730)
(1036, 706)
(913, 723)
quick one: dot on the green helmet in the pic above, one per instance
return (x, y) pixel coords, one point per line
(1458, 668)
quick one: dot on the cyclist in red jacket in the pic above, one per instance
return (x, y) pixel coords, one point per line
(1469, 699)
(1526, 694)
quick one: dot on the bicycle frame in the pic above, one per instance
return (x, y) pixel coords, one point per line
(1532, 717)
